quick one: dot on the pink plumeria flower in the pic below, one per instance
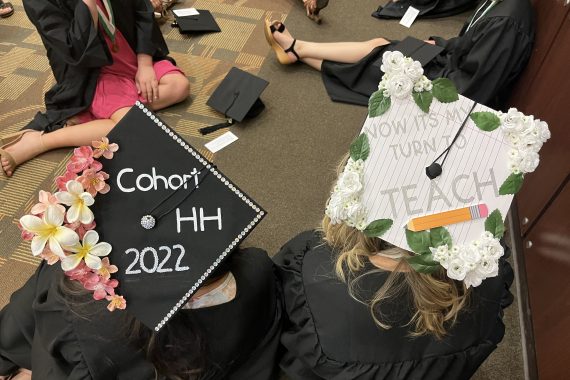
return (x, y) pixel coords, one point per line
(106, 269)
(96, 165)
(46, 199)
(89, 250)
(49, 256)
(81, 273)
(26, 235)
(62, 180)
(103, 148)
(94, 181)
(79, 202)
(80, 228)
(101, 287)
(50, 230)
(117, 302)
(82, 158)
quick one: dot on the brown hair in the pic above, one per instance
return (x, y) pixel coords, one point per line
(178, 351)
(437, 299)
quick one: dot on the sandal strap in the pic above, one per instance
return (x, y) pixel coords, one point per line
(279, 29)
(291, 49)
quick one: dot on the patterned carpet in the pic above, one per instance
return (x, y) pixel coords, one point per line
(25, 76)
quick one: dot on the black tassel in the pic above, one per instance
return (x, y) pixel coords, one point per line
(213, 128)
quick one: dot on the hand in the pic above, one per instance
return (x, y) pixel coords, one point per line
(430, 42)
(157, 5)
(147, 85)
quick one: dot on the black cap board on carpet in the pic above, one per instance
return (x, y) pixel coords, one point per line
(237, 97)
(203, 22)
(416, 49)
(171, 216)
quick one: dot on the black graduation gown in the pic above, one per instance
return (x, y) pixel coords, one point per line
(329, 335)
(39, 332)
(483, 62)
(427, 8)
(76, 51)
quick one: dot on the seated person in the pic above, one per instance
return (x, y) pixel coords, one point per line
(483, 61)
(104, 55)
(356, 309)
(229, 329)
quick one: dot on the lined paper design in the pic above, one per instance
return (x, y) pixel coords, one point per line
(405, 140)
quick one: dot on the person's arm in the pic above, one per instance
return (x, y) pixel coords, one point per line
(92, 5)
(494, 54)
(73, 37)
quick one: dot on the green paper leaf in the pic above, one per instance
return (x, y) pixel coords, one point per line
(494, 224)
(512, 184)
(444, 90)
(423, 263)
(378, 104)
(440, 236)
(360, 148)
(423, 100)
(419, 242)
(486, 121)
(378, 227)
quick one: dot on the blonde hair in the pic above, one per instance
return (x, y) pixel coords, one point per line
(437, 299)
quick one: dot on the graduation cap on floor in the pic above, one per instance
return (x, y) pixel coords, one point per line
(416, 49)
(436, 177)
(203, 22)
(171, 216)
(237, 97)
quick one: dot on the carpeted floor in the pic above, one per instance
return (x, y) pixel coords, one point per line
(284, 159)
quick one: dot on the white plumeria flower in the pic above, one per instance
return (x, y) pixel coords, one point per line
(79, 202)
(50, 230)
(90, 250)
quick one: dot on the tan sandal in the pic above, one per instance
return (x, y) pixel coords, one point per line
(282, 56)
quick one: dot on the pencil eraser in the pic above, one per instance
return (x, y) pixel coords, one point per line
(483, 210)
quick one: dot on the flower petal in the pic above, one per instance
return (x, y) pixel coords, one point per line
(55, 247)
(93, 262)
(101, 249)
(38, 244)
(33, 224)
(66, 236)
(38, 208)
(74, 187)
(85, 215)
(70, 262)
(90, 238)
(65, 197)
(73, 213)
(87, 198)
(53, 216)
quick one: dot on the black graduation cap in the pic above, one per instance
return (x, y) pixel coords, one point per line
(416, 49)
(237, 97)
(171, 216)
(203, 22)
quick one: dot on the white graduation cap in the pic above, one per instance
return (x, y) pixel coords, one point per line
(433, 172)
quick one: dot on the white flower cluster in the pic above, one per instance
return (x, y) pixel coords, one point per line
(471, 263)
(402, 75)
(526, 136)
(344, 204)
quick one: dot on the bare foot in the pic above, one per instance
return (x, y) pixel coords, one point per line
(29, 146)
(285, 40)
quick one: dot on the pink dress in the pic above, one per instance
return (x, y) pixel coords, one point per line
(116, 86)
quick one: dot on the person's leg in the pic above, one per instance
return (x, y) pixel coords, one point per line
(313, 53)
(34, 143)
(172, 88)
